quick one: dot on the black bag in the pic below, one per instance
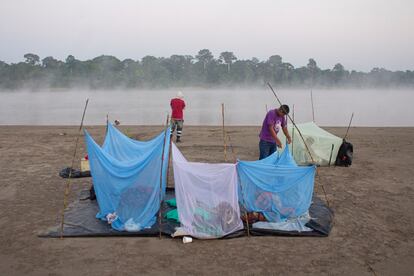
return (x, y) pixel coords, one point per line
(345, 154)
(74, 174)
(92, 195)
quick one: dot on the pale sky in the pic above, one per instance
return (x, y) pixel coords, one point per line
(360, 34)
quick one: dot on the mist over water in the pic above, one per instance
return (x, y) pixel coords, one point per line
(379, 108)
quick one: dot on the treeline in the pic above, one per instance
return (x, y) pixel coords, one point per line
(202, 70)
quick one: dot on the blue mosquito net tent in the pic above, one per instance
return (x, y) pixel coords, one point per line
(126, 177)
(276, 186)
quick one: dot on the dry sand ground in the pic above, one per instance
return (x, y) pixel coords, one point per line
(373, 202)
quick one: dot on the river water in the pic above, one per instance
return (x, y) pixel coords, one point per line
(379, 108)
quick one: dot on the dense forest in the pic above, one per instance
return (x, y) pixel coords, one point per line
(201, 70)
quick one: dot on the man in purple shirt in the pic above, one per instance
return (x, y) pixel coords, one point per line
(274, 121)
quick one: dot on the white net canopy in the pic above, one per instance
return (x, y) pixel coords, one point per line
(207, 199)
(319, 142)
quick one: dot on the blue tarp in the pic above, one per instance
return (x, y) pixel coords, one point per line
(126, 177)
(276, 186)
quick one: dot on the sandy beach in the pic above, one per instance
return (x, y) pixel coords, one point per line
(373, 201)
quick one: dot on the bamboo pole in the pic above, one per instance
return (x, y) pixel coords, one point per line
(224, 134)
(350, 121)
(294, 124)
(231, 148)
(303, 139)
(326, 198)
(67, 186)
(160, 192)
(241, 187)
(245, 211)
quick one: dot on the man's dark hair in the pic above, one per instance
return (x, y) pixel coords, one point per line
(284, 108)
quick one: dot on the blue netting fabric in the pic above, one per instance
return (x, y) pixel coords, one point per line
(276, 186)
(126, 178)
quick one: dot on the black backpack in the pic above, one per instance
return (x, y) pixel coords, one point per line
(345, 154)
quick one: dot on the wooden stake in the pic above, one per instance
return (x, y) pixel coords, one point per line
(330, 157)
(313, 110)
(67, 186)
(162, 163)
(224, 134)
(293, 129)
(107, 122)
(169, 159)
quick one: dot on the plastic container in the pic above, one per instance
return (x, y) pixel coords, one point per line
(85, 165)
(187, 239)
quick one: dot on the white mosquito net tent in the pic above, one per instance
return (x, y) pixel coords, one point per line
(322, 145)
(207, 200)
